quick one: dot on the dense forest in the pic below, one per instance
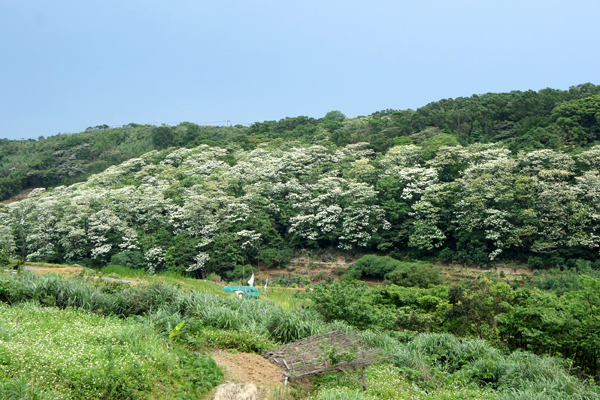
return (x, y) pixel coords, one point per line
(521, 121)
(214, 209)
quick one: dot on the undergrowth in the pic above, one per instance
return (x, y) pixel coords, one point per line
(73, 354)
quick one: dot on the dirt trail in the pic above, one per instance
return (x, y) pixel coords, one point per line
(234, 391)
(249, 368)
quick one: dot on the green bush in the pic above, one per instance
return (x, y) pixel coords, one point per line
(202, 374)
(352, 302)
(181, 255)
(129, 259)
(4, 260)
(371, 266)
(416, 275)
(433, 360)
(536, 262)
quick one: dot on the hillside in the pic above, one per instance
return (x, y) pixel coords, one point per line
(460, 239)
(149, 340)
(546, 119)
(211, 210)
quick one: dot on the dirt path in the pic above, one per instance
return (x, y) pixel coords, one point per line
(249, 368)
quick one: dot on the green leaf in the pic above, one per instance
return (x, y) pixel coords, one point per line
(175, 331)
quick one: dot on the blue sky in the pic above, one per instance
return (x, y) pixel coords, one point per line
(66, 65)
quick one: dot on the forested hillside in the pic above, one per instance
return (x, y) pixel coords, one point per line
(68, 158)
(547, 119)
(213, 209)
(494, 179)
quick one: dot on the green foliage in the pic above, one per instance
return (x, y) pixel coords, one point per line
(69, 158)
(467, 204)
(426, 366)
(247, 342)
(334, 116)
(372, 266)
(433, 360)
(560, 282)
(19, 389)
(129, 259)
(177, 330)
(181, 254)
(74, 354)
(416, 274)
(334, 354)
(287, 326)
(202, 374)
(579, 119)
(473, 310)
(4, 260)
(387, 382)
(352, 303)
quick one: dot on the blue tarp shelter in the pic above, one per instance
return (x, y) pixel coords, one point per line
(242, 291)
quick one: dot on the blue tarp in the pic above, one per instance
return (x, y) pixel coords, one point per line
(249, 291)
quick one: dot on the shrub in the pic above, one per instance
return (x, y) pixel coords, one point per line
(202, 373)
(447, 255)
(371, 266)
(239, 272)
(129, 259)
(416, 275)
(353, 303)
(536, 262)
(4, 260)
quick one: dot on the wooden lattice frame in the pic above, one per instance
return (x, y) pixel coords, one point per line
(324, 354)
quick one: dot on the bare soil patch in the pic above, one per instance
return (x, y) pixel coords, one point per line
(236, 391)
(249, 368)
(67, 271)
(19, 197)
(310, 268)
(458, 271)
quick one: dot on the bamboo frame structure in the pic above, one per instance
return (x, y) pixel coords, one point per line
(325, 353)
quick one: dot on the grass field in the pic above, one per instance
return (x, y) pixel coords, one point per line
(48, 353)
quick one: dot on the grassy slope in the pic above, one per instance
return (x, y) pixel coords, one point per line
(68, 354)
(422, 369)
(285, 298)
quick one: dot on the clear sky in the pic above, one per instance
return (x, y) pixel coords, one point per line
(66, 65)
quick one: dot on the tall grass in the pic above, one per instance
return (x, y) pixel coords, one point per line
(432, 362)
(162, 304)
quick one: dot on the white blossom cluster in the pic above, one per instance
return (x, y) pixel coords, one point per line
(533, 201)
(193, 192)
(538, 201)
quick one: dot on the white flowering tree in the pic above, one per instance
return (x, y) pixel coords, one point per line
(199, 264)
(155, 257)
(193, 209)
(336, 211)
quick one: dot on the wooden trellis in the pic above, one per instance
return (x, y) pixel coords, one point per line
(326, 353)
